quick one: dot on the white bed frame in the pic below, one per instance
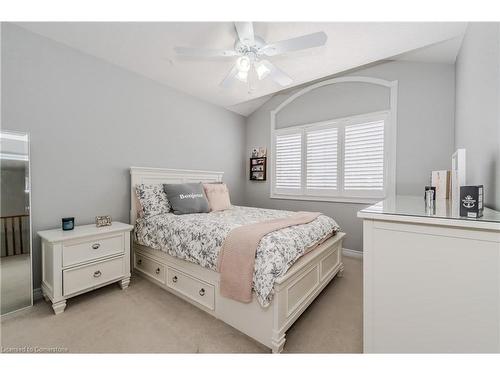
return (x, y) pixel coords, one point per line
(294, 291)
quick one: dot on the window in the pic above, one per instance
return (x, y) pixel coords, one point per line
(288, 161)
(321, 159)
(364, 156)
(343, 159)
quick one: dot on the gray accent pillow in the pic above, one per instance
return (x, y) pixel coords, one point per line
(187, 198)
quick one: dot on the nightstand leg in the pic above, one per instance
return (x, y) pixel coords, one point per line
(341, 271)
(45, 297)
(59, 307)
(124, 283)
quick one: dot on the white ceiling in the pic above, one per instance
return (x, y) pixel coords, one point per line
(442, 52)
(147, 49)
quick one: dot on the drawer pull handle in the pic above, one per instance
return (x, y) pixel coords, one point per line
(174, 279)
(139, 261)
(97, 274)
(158, 271)
(202, 292)
(96, 246)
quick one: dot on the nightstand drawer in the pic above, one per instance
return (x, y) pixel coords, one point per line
(192, 288)
(80, 278)
(91, 249)
(150, 267)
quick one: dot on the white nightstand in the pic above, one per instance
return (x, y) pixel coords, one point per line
(83, 259)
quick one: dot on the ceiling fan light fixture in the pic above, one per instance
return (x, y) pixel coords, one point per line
(243, 64)
(242, 76)
(262, 70)
(250, 48)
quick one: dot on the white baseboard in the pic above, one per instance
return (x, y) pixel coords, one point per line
(37, 294)
(352, 253)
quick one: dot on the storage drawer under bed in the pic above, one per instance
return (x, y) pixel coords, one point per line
(150, 267)
(191, 287)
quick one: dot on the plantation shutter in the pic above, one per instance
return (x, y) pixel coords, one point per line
(364, 157)
(288, 162)
(321, 160)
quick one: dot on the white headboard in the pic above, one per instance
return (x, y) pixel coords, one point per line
(140, 175)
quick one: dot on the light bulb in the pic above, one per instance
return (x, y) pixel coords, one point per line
(262, 70)
(242, 76)
(243, 64)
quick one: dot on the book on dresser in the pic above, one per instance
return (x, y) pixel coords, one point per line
(83, 259)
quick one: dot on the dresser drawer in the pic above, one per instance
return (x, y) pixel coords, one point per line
(150, 267)
(192, 288)
(80, 278)
(91, 249)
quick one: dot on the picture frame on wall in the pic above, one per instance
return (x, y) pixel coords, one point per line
(259, 152)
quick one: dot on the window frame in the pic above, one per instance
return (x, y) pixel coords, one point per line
(339, 194)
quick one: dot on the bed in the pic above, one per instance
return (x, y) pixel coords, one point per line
(281, 292)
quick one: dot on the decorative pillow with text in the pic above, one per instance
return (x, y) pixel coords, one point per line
(187, 198)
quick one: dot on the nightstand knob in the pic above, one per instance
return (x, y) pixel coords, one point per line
(174, 279)
(96, 246)
(139, 261)
(158, 271)
(97, 274)
(202, 292)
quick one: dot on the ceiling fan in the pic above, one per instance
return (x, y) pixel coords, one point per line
(252, 51)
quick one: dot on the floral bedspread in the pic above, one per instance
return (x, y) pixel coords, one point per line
(198, 238)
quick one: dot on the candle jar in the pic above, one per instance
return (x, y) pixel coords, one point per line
(68, 223)
(429, 198)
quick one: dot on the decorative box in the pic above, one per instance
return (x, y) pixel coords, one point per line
(471, 201)
(102, 221)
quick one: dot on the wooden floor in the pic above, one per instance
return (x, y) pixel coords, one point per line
(145, 318)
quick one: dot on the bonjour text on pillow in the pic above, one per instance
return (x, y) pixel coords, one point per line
(187, 198)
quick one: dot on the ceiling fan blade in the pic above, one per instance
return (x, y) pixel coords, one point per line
(245, 32)
(229, 80)
(276, 74)
(203, 52)
(295, 44)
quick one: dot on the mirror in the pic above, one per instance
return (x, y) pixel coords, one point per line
(15, 229)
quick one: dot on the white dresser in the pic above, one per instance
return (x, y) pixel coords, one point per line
(83, 259)
(431, 279)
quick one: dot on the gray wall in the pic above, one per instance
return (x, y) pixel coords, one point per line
(90, 121)
(477, 127)
(425, 138)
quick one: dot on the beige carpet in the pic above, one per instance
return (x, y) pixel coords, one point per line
(15, 282)
(145, 318)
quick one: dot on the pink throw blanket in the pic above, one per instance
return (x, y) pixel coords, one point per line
(237, 256)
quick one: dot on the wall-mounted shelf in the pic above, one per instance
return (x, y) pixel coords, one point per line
(258, 169)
